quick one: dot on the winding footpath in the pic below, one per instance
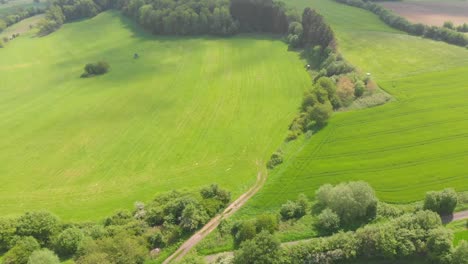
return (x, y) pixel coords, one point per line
(213, 223)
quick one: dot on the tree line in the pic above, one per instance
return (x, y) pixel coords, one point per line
(355, 227)
(433, 32)
(21, 14)
(183, 17)
(124, 237)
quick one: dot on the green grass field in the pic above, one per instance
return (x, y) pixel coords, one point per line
(415, 144)
(189, 112)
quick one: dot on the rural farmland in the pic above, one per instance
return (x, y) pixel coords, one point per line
(233, 131)
(404, 148)
(149, 125)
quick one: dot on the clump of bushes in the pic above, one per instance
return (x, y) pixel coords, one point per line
(246, 230)
(295, 209)
(275, 159)
(92, 69)
(443, 202)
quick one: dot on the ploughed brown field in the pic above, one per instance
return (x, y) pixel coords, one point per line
(431, 13)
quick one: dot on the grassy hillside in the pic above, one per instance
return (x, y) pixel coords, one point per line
(403, 149)
(188, 112)
(14, 6)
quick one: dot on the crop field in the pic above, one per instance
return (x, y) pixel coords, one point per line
(431, 12)
(417, 143)
(188, 112)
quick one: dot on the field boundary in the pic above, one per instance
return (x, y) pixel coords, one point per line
(213, 223)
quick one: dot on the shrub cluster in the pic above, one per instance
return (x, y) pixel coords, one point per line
(443, 202)
(125, 237)
(246, 230)
(448, 35)
(92, 69)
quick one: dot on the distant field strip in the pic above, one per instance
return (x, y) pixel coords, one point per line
(189, 112)
(404, 148)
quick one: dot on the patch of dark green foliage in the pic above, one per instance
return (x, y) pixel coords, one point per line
(98, 68)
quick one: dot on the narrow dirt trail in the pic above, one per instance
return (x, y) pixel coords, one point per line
(455, 217)
(213, 223)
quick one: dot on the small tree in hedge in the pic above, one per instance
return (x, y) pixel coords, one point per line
(43, 256)
(68, 241)
(40, 225)
(20, 253)
(443, 202)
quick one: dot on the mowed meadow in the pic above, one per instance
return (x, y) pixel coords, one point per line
(417, 143)
(187, 113)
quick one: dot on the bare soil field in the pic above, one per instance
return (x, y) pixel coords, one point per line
(431, 13)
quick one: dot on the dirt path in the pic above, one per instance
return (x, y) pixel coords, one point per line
(455, 217)
(446, 219)
(213, 223)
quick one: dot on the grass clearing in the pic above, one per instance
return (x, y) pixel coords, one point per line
(14, 6)
(189, 112)
(21, 27)
(405, 148)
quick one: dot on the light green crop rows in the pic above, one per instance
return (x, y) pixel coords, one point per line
(189, 112)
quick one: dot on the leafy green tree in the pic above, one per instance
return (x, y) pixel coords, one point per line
(68, 241)
(266, 222)
(41, 225)
(7, 233)
(43, 256)
(20, 253)
(243, 231)
(214, 191)
(120, 249)
(193, 217)
(460, 255)
(263, 249)
(353, 202)
(328, 222)
(320, 113)
(443, 202)
(439, 245)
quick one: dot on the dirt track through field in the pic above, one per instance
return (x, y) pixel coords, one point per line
(213, 223)
(445, 219)
(431, 13)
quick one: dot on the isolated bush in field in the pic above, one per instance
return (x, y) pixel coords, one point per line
(328, 222)
(20, 253)
(443, 202)
(68, 241)
(98, 68)
(40, 225)
(275, 159)
(460, 255)
(43, 256)
(354, 202)
(345, 90)
(296, 209)
(263, 249)
(266, 222)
